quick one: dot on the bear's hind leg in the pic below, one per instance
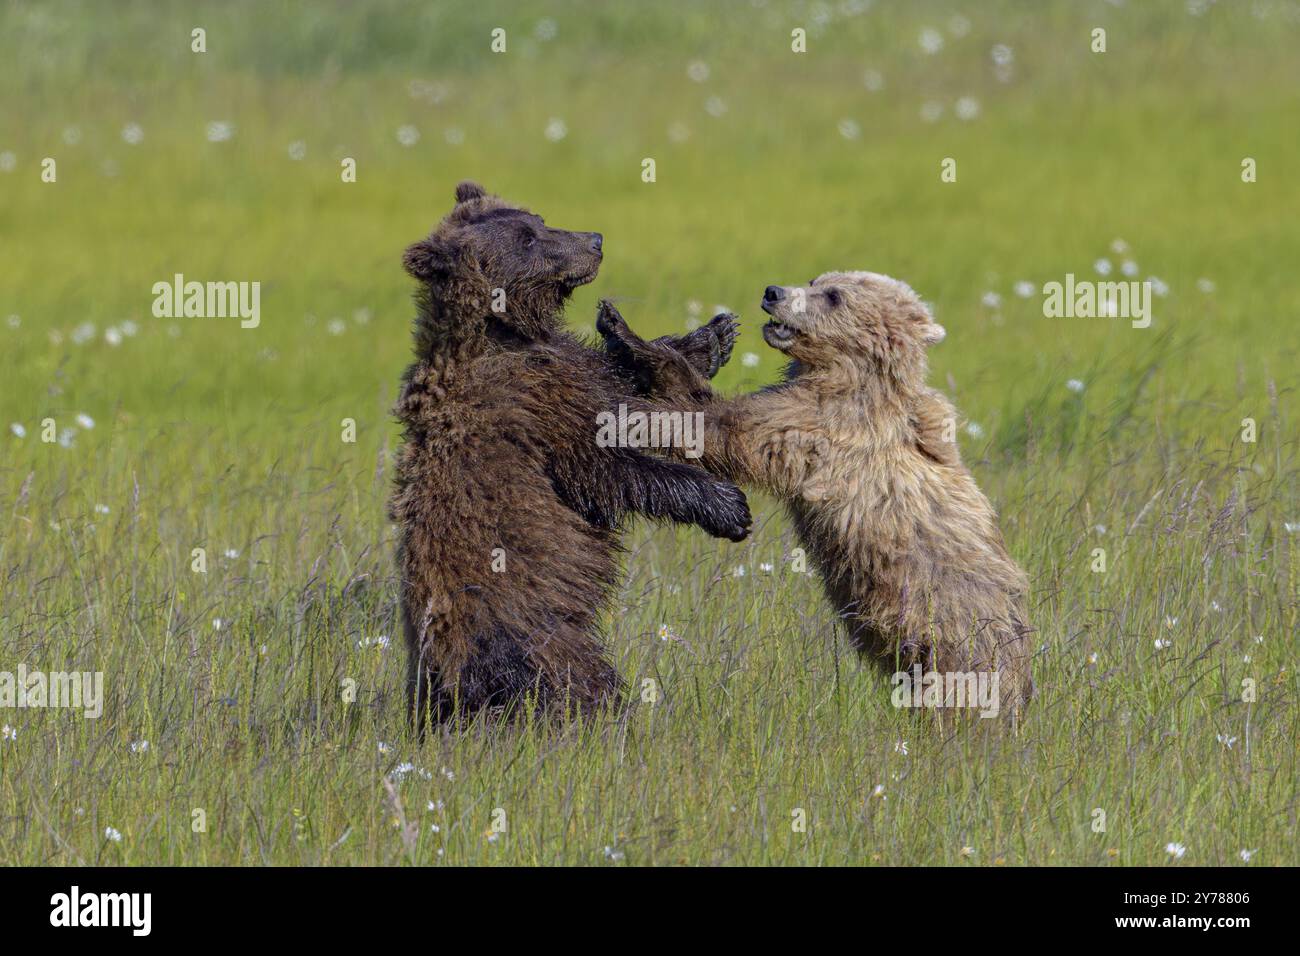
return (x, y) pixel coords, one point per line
(576, 671)
(508, 668)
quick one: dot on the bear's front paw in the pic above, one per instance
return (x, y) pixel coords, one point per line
(731, 519)
(610, 322)
(725, 326)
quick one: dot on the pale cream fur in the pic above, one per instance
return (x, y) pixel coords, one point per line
(863, 454)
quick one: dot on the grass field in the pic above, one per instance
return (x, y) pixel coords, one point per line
(225, 689)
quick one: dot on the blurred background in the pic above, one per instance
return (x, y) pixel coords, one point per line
(772, 166)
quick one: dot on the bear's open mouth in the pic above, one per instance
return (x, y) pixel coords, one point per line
(778, 334)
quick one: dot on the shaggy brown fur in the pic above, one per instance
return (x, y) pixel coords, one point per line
(864, 456)
(508, 510)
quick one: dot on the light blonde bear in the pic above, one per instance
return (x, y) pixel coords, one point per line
(864, 456)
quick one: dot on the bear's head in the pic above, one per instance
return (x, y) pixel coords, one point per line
(493, 263)
(867, 320)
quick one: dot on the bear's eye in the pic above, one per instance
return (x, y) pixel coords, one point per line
(833, 297)
(527, 237)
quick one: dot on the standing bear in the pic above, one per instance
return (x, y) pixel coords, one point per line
(508, 510)
(863, 453)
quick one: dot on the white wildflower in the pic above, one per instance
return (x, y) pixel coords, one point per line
(967, 108)
(931, 40)
(219, 131)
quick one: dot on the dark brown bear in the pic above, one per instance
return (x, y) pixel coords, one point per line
(508, 510)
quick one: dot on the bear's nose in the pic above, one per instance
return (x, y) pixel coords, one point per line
(597, 240)
(773, 293)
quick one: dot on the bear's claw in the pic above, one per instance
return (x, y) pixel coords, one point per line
(609, 322)
(726, 327)
(735, 518)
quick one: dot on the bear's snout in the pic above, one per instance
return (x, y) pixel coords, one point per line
(773, 295)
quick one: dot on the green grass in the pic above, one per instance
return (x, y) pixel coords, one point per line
(220, 438)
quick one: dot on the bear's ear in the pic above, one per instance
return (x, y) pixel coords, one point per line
(468, 190)
(429, 258)
(933, 333)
